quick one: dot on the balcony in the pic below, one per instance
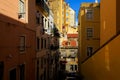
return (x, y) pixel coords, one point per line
(54, 47)
(56, 32)
(43, 6)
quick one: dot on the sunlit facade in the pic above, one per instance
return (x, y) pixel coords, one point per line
(17, 42)
(72, 17)
(89, 29)
(56, 7)
(68, 17)
(47, 42)
(104, 63)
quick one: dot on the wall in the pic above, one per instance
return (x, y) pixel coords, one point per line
(84, 24)
(104, 65)
(118, 15)
(11, 28)
(9, 48)
(108, 20)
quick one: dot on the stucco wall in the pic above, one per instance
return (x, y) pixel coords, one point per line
(108, 20)
(11, 28)
(104, 65)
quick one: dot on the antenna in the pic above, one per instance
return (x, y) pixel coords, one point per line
(96, 1)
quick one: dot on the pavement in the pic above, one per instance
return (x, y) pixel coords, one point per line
(63, 75)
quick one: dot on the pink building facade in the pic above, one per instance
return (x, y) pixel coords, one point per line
(17, 40)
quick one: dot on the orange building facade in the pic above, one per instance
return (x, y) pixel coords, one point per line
(104, 63)
(17, 40)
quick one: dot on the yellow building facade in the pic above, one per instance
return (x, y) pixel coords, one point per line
(89, 35)
(73, 30)
(17, 40)
(47, 42)
(104, 64)
(68, 17)
(56, 7)
(42, 14)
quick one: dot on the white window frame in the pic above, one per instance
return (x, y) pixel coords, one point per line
(22, 43)
(38, 43)
(89, 32)
(22, 66)
(22, 9)
(89, 14)
(89, 53)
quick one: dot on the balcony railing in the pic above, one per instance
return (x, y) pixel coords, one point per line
(54, 47)
(56, 32)
(43, 5)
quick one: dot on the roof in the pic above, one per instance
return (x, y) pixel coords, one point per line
(72, 35)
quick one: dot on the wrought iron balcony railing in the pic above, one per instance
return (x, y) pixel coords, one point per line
(54, 47)
(43, 5)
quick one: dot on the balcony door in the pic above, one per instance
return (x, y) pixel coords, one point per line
(1, 70)
(12, 74)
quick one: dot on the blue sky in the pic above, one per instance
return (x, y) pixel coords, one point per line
(75, 4)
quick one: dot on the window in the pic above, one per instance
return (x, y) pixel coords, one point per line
(71, 67)
(22, 72)
(37, 17)
(66, 19)
(48, 24)
(89, 51)
(38, 43)
(89, 14)
(72, 50)
(12, 74)
(22, 43)
(41, 77)
(41, 43)
(42, 62)
(42, 21)
(1, 70)
(38, 69)
(21, 9)
(45, 43)
(89, 33)
(63, 50)
(48, 46)
(45, 0)
(67, 14)
(45, 74)
(45, 61)
(76, 67)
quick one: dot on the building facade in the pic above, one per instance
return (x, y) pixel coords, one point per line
(69, 51)
(56, 7)
(72, 18)
(17, 42)
(27, 31)
(89, 29)
(42, 40)
(68, 17)
(47, 43)
(72, 30)
(103, 64)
